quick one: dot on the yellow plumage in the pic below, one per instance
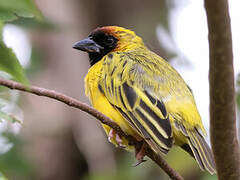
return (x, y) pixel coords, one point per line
(143, 94)
(100, 102)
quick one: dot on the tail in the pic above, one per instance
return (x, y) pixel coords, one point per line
(199, 149)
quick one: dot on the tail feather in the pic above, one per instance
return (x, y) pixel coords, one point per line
(198, 148)
(194, 153)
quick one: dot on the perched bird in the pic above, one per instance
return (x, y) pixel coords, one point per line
(143, 94)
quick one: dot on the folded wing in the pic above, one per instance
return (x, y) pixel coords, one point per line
(137, 103)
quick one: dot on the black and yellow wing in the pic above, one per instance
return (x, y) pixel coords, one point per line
(130, 90)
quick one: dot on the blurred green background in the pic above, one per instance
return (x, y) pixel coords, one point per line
(42, 139)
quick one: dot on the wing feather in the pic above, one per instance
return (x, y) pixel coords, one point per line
(145, 113)
(199, 148)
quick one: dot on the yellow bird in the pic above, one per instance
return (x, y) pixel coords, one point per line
(143, 94)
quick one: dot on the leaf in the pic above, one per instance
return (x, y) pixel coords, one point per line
(11, 9)
(9, 62)
(6, 15)
(9, 118)
(44, 24)
(5, 116)
(9, 110)
(5, 75)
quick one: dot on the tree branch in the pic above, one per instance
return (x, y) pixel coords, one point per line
(101, 117)
(222, 92)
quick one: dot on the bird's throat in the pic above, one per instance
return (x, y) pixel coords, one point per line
(94, 58)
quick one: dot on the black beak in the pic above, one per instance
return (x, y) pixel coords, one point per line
(88, 45)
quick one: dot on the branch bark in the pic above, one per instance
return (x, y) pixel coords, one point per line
(101, 117)
(222, 92)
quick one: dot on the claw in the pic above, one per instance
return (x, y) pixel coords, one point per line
(139, 162)
(119, 141)
(140, 153)
(112, 133)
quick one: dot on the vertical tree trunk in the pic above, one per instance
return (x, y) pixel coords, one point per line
(222, 92)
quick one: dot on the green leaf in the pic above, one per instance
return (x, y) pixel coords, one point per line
(5, 116)
(6, 15)
(8, 117)
(44, 24)
(9, 110)
(11, 9)
(5, 75)
(9, 62)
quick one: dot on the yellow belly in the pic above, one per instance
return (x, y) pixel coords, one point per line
(100, 103)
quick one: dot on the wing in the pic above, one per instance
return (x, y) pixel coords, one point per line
(130, 89)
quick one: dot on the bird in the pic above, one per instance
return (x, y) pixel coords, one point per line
(143, 94)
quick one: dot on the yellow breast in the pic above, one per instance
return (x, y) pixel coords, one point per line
(100, 102)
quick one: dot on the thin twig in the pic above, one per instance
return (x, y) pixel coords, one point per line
(222, 92)
(101, 117)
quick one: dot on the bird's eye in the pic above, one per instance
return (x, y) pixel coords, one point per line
(110, 40)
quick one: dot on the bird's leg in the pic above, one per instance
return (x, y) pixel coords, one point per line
(139, 154)
(113, 135)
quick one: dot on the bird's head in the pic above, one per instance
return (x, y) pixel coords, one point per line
(108, 39)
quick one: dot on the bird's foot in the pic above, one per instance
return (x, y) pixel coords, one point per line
(112, 135)
(140, 153)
